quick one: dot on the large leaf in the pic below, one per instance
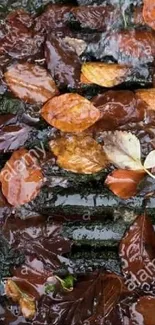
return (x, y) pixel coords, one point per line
(149, 12)
(137, 252)
(31, 83)
(70, 113)
(124, 183)
(142, 312)
(103, 74)
(79, 154)
(123, 149)
(21, 178)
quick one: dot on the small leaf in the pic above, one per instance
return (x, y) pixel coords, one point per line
(30, 83)
(123, 150)
(149, 13)
(26, 302)
(148, 96)
(79, 154)
(21, 178)
(70, 113)
(103, 74)
(124, 183)
(150, 160)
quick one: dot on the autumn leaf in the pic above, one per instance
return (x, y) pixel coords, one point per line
(137, 253)
(148, 96)
(150, 160)
(123, 150)
(21, 178)
(103, 74)
(124, 183)
(26, 301)
(79, 154)
(149, 13)
(70, 113)
(142, 312)
(31, 83)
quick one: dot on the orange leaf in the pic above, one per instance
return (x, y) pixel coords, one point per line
(143, 311)
(21, 178)
(124, 183)
(148, 96)
(70, 113)
(103, 74)
(31, 83)
(84, 80)
(149, 13)
(79, 154)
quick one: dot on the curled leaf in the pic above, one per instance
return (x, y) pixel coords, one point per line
(56, 283)
(150, 160)
(26, 302)
(149, 13)
(123, 149)
(148, 96)
(31, 83)
(79, 154)
(124, 183)
(70, 113)
(103, 74)
(21, 178)
(142, 312)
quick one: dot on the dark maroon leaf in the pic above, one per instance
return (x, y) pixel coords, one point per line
(118, 108)
(12, 137)
(99, 17)
(137, 252)
(7, 119)
(54, 17)
(62, 62)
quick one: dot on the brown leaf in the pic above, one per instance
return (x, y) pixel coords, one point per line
(26, 302)
(30, 83)
(142, 312)
(70, 113)
(79, 154)
(21, 178)
(103, 74)
(124, 183)
(149, 12)
(137, 252)
(148, 96)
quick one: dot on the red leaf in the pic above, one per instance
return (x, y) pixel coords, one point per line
(124, 183)
(142, 312)
(137, 252)
(21, 178)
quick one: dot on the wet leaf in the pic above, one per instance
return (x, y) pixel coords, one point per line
(123, 149)
(150, 160)
(70, 113)
(26, 302)
(31, 83)
(149, 13)
(142, 312)
(124, 183)
(137, 252)
(91, 302)
(79, 154)
(21, 178)
(12, 137)
(106, 75)
(78, 45)
(148, 96)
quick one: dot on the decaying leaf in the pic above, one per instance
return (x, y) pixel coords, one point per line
(76, 44)
(149, 12)
(148, 96)
(79, 154)
(31, 83)
(21, 178)
(103, 74)
(26, 301)
(124, 183)
(137, 252)
(142, 312)
(70, 113)
(123, 150)
(150, 160)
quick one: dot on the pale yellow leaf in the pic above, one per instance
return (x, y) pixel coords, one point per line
(150, 160)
